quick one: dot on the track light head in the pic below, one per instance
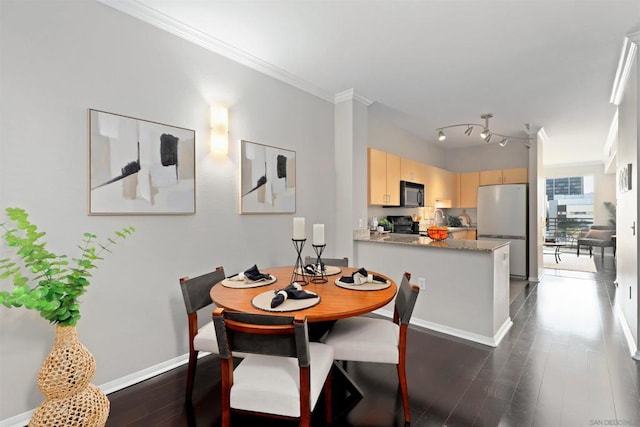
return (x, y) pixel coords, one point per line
(468, 131)
(503, 142)
(484, 134)
(441, 135)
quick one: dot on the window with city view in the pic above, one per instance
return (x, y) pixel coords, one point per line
(569, 207)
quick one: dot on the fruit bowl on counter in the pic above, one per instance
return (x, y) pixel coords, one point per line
(438, 233)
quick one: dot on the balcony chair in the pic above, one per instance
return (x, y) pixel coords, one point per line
(367, 339)
(600, 236)
(282, 375)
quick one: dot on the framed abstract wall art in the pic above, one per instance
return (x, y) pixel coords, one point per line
(267, 179)
(139, 167)
(625, 178)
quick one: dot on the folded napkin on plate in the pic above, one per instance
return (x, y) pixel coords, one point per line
(314, 268)
(252, 274)
(362, 276)
(293, 291)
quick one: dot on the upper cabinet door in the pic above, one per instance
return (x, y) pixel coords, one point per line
(393, 180)
(491, 177)
(384, 178)
(515, 176)
(410, 170)
(468, 195)
(377, 170)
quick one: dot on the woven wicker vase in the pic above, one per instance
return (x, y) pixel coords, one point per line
(64, 379)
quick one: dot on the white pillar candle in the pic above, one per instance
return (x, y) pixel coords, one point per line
(318, 234)
(298, 229)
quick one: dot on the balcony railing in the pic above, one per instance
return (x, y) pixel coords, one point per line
(566, 230)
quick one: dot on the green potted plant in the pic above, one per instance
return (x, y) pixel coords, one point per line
(51, 284)
(385, 224)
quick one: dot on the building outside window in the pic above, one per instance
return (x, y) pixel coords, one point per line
(570, 207)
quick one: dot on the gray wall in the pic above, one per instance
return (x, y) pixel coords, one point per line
(60, 58)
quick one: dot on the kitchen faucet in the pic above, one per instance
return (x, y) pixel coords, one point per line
(435, 216)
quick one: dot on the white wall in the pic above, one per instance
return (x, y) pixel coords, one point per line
(627, 297)
(604, 186)
(60, 58)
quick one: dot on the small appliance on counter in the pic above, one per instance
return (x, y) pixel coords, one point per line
(402, 224)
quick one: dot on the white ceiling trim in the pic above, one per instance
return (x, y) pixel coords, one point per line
(166, 23)
(628, 54)
(351, 94)
(611, 146)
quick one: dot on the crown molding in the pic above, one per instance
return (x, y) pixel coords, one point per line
(541, 135)
(627, 56)
(351, 94)
(151, 16)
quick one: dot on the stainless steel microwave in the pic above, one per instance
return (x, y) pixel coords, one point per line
(411, 194)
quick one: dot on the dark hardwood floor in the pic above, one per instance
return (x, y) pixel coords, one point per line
(563, 363)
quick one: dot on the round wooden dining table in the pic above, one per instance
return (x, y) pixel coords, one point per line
(335, 302)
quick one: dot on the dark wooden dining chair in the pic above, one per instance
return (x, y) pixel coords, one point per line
(195, 292)
(337, 262)
(282, 375)
(367, 339)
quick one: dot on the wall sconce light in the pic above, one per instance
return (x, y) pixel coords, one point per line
(219, 138)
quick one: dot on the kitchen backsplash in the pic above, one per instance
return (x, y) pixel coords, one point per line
(425, 213)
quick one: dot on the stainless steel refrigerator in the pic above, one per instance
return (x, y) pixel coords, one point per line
(502, 215)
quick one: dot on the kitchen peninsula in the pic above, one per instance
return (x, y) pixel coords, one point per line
(466, 290)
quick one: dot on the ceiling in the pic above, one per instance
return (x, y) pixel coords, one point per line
(429, 64)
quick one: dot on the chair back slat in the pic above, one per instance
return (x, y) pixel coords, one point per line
(337, 262)
(196, 291)
(262, 334)
(406, 299)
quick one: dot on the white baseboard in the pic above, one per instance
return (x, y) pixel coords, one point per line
(22, 420)
(633, 347)
(489, 341)
(145, 374)
(469, 336)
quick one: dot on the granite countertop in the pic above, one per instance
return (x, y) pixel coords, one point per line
(416, 240)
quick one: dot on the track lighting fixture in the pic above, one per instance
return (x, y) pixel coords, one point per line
(486, 133)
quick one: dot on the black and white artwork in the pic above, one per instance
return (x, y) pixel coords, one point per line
(625, 178)
(268, 179)
(139, 167)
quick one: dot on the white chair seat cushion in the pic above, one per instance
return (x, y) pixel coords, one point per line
(205, 339)
(365, 339)
(271, 384)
